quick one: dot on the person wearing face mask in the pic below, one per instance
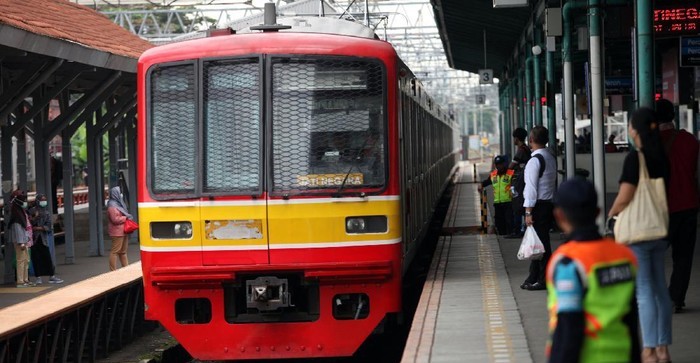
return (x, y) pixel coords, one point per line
(652, 295)
(42, 251)
(118, 214)
(20, 235)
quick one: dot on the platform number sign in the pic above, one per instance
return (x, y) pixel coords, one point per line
(486, 76)
(481, 99)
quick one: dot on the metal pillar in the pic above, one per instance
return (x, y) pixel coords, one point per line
(645, 53)
(95, 188)
(42, 158)
(528, 92)
(130, 130)
(22, 160)
(537, 82)
(597, 94)
(7, 176)
(113, 157)
(551, 119)
(508, 120)
(68, 210)
(569, 117)
(522, 103)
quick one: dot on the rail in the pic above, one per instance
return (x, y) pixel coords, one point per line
(80, 322)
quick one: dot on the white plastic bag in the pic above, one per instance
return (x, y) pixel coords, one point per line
(531, 248)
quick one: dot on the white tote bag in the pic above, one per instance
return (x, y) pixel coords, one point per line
(646, 217)
(531, 248)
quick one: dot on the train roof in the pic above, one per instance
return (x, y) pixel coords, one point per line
(288, 42)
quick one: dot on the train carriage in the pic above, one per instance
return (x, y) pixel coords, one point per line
(285, 179)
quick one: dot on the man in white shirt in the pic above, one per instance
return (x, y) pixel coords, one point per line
(540, 178)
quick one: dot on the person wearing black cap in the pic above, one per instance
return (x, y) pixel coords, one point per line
(682, 151)
(520, 159)
(501, 179)
(591, 286)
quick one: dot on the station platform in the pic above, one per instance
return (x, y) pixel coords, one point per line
(472, 308)
(84, 268)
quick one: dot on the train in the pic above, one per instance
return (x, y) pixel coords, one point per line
(285, 180)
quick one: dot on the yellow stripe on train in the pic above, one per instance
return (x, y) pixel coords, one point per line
(281, 223)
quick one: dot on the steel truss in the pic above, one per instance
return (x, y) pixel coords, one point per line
(409, 25)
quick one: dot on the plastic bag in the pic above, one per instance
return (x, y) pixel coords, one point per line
(531, 248)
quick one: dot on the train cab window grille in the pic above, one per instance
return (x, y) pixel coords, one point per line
(173, 129)
(232, 133)
(328, 125)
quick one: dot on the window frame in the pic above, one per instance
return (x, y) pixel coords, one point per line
(266, 156)
(348, 190)
(149, 131)
(260, 59)
(198, 192)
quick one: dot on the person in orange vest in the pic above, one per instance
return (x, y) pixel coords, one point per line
(590, 286)
(501, 179)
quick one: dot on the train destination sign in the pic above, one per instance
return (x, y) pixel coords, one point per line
(676, 18)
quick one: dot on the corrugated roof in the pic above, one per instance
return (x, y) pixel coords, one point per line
(462, 25)
(74, 23)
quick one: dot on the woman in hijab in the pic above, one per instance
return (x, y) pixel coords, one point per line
(118, 214)
(20, 234)
(43, 255)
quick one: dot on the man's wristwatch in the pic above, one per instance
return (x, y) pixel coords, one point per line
(528, 213)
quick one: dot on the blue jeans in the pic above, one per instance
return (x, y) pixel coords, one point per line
(652, 295)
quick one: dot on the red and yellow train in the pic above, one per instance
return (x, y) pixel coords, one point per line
(285, 181)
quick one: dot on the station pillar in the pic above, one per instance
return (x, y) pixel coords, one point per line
(597, 90)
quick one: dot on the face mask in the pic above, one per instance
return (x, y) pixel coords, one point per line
(43, 203)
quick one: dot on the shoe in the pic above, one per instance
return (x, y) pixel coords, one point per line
(55, 280)
(526, 285)
(38, 281)
(536, 286)
(678, 308)
(23, 285)
(30, 283)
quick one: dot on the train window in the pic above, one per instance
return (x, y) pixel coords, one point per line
(173, 129)
(328, 124)
(232, 131)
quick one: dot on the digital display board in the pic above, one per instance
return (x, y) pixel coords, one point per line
(676, 18)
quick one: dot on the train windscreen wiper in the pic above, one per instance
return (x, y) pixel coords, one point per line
(353, 162)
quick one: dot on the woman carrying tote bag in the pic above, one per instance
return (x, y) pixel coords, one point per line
(642, 224)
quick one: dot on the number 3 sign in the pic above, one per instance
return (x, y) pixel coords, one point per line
(486, 76)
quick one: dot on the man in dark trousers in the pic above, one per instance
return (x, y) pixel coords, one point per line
(682, 151)
(520, 159)
(501, 179)
(540, 177)
(590, 284)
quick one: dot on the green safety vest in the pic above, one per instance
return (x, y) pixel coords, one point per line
(501, 186)
(610, 270)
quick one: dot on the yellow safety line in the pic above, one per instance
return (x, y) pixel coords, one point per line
(498, 339)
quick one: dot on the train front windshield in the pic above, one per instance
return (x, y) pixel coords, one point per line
(326, 126)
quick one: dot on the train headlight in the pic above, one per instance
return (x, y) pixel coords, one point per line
(366, 224)
(355, 225)
(171, 230)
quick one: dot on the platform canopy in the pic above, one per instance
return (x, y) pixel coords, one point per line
(70, 55)
(462, 26)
